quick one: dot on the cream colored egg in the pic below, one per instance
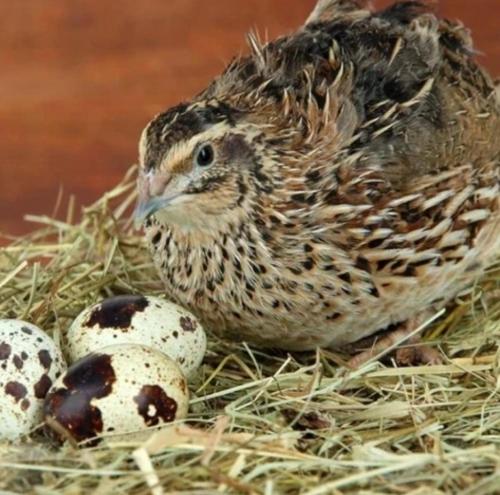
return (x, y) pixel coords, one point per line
(145, 320)
(120, 390)
(30, 362)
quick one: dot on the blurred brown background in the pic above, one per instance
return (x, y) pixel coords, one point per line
(80, 78)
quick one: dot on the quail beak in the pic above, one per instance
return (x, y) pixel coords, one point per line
(155, 194)
(147, 207)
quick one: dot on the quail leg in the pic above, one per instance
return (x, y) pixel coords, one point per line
(417, 354)
(408, 355)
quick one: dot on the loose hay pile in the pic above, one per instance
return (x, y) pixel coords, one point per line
(262, 422)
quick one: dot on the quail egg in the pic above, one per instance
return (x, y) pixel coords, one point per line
(29, 362)
(120, 390)
(149, 321)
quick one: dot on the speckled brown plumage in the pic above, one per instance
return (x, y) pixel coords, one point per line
(335, 182)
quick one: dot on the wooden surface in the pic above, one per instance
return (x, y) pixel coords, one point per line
(79, 79)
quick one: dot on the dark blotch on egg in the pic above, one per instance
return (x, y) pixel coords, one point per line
(45, 359)
(16, 390)
(42, 386)
(18, 362)
(153, 403)
(182, 385)
(88, 379)
(117, 312)
(4, 350)
(187, 324)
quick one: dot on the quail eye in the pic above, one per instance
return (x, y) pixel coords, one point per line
(205, 156)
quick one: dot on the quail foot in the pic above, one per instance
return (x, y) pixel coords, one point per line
(334, 183)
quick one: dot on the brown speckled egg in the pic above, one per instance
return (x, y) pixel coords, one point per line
(120, 390)
(144, 320)
(30, 362)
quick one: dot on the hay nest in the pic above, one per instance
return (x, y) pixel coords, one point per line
(261, 423)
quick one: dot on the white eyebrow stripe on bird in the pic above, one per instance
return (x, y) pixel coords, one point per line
(182, 151)
(143, 141)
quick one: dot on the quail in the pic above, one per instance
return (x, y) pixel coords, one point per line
(335, 183)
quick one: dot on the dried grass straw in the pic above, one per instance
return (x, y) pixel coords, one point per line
(261, 423)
